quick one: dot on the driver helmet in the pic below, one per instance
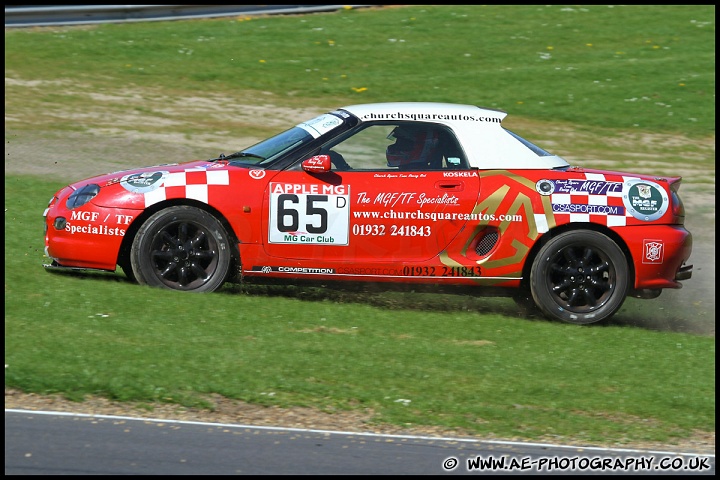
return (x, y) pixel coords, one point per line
(413, 146)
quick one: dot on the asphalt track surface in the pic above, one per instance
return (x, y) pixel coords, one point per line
(52, 443)
(53, 15)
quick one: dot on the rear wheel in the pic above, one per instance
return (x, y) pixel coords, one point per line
(579, 277)
(181, 248)
(526, 303)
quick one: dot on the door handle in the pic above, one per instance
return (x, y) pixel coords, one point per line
(453, 186)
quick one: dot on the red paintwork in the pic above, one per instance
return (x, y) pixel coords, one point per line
(438, 249)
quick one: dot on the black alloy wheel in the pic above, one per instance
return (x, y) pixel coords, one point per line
(580, 277)
(181, 248)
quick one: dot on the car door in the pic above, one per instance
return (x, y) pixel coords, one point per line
(370, 213)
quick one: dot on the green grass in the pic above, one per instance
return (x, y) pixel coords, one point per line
(601, 73)
(627, 67)
(460, 368)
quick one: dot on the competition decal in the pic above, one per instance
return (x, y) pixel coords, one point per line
(653, 251)
(645, 200)
(492, 117)
(295, 270)
(471, 271)
(309, 214)
(320, 125)
(191, 183)
(393, 199)
(407, 271)
(589, 186)
(143, 182)
(407, 206)
(587, 208)
(91, 223)
(591, 199)
(459, 174)
(393, 175)
(597, 199)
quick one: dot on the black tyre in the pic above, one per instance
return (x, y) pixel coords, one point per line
(127, 270)
(526, 304)
(579, 277)
(181, 248)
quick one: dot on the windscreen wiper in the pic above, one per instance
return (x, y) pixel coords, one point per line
(239, 155)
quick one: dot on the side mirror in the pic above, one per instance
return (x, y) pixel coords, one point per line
(317, 164)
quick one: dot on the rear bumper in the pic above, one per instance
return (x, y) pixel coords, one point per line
(684, 273)
(660, 255)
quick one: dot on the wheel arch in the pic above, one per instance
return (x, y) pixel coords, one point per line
(123, 258)
(576, 226)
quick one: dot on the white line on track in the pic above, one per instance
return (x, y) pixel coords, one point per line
(364, 434)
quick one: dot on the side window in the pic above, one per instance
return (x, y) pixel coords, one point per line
(398, 146)
(452, 156)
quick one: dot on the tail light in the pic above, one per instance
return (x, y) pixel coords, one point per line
(678, 209)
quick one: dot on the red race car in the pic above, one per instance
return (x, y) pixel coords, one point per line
(435, 194)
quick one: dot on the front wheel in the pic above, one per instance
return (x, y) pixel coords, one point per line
(579, 277)
(181, 248)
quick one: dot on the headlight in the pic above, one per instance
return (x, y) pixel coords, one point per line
(82, 196)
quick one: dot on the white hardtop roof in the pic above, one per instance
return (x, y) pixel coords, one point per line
(479, 130)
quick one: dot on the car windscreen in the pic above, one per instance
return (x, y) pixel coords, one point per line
(267, 151)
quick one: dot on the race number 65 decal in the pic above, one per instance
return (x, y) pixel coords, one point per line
(309, 214)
